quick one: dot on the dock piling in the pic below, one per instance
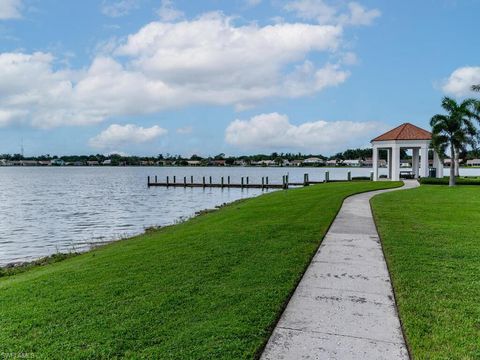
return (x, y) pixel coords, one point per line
(349, 176)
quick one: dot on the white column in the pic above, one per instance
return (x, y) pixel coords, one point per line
(424, 161)
(389, 163)
(375, 163)
(438, 164)
(416, 162)
(395, 163)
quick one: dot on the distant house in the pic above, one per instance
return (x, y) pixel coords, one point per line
(78, 163)
(3, 162)
(44, 162)
(369, 163)
(29, 162)
(353, 163)
(194, 162)
(473, 162)
(448, 161)
(240, 163)
(107, 162)
(332, 162)
(314, 161)
(285, 162)
(220, 162)
(296, 162)
(406, 163)
(93, 163)
(58, 162)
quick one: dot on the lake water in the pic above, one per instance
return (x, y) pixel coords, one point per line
(61, 209)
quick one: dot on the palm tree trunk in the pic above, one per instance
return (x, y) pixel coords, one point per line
(457, 162)
(451, 182)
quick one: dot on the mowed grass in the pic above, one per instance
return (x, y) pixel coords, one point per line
(431, 238)
(210, 288)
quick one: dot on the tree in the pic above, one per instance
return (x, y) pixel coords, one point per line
(454, 130)
(476, 87)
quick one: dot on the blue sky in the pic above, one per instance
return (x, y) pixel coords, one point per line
(239, 76)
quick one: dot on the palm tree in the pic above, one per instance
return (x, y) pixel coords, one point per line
(455, 130)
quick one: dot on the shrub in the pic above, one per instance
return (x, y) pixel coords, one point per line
(444, 181)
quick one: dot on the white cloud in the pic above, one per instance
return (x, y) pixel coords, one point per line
(359, 15)
(168, 13)
(10, 9)
(461, 80)
(324, 13)
(116, 135)
(274, 131)
(207, 60)
(185, 130)
(119, 8)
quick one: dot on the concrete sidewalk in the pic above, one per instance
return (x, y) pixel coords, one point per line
(343, 307)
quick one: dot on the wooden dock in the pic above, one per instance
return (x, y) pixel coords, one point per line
(207, 182)
(225, 182)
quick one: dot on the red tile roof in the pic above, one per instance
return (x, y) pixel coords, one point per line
(405, 131)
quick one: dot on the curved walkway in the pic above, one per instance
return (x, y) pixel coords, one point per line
(344, 306)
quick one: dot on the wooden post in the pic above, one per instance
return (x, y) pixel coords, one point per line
(156, 182)
(167, 181)
(349, 176)
(263, 182)
(148, 181)
(184, 181)
(191, 179)
(327, 176)
(242, 182)
(210, 180)
(247, 180)
(371, 175)
(287, 181)
(228, 180)
(305, 179)
(222, 182)
(203, 180)
(266, 180)
(174, 180)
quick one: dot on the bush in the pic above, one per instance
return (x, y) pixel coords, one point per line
(360, 178)
(445, 180)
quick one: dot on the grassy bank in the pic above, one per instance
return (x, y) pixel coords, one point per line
(432, 245)
(211, 288)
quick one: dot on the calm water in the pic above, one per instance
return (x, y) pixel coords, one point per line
(48, 210)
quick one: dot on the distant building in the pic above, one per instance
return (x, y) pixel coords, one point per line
(353, 163)
(44, 162)
(332, 162)
(29, 163)
(194, 162)
(107, 162)
(296, 162)
(220, 162)
(93, 163)
(473, 162)
(58, 162)
(314, 161)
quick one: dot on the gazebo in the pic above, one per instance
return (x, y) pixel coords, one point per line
(406, 136)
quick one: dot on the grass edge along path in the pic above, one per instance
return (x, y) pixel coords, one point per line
(430, 240)
(212, 287)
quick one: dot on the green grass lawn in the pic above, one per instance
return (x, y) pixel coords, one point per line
(431, 238)
(210, 288)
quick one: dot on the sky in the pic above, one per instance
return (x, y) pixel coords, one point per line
(144, 77)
